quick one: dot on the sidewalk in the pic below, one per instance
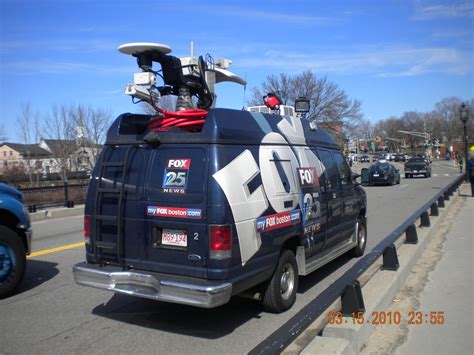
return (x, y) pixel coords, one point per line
(450, 290)
(56, 212)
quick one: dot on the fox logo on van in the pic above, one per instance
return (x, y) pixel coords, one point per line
(178, 163)
(308, 177)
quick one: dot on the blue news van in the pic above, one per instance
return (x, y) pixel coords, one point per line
(250, 202)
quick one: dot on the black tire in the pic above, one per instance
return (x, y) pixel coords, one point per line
(361, 235)
(13, 261)
(280, 294)
(407, 176)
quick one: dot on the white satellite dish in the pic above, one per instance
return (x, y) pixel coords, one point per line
(142, 47)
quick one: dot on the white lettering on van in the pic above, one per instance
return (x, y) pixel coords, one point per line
(292, 130)
(179, 163)
(246, 207)
(234, 179)
(277, 193)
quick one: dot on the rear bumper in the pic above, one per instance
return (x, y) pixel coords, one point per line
(162, 287)
(416, 171)
(379, 180)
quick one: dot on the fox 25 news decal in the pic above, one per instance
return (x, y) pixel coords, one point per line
(175, 176)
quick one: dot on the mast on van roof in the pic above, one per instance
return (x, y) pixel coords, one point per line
(183, 77)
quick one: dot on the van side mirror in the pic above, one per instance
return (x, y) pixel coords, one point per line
(355, 176)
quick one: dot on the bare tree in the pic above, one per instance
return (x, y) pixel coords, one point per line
(329, 103)
(447, 111)
(59, 129)
(28, 126)
(92, 125)
(3, 136)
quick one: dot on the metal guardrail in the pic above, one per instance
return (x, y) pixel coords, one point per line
(50, 196)
(347, 286)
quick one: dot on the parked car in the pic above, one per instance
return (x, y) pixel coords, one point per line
(383, 173)
(364, 158)
(15, 239)
(189, 223)
(417, 166)
(375, 158)
(382, 158)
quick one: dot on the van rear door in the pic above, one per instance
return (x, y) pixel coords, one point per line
(172, 214)
(162, 216)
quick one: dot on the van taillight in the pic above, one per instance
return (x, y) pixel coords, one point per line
(220, 241)
(87, 226)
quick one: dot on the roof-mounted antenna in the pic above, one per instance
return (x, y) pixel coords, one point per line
(245, 91)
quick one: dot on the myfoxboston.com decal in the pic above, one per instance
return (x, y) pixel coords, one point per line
(175, 176)
(279, 220)
(174, 212)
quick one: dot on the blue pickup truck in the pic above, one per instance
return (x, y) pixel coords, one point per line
(15, 239)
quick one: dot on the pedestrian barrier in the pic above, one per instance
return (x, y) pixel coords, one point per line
(347, 288)
(52, 196)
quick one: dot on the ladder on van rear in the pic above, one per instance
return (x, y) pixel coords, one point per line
(97, 218)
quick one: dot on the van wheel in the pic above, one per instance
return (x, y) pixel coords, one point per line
(12, 261)
(361, 236)
(280, 294)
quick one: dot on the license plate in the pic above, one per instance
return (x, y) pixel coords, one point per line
(175, 238)
(376, 175)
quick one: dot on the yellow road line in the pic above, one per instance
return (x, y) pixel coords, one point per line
(54, 250)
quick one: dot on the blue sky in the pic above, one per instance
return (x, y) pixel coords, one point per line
(395, 56)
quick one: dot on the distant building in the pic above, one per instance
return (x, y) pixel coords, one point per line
(49, 156)
(31, 157)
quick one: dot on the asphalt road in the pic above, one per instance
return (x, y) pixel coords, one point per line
(50, 313)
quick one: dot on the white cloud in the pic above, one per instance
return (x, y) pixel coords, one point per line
(59, 45)
(432, 11)
(381, 61)
(64, 67)
(267, 15)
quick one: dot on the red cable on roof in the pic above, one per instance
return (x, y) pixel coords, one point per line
(190, 120)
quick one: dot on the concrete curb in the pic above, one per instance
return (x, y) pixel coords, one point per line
(56, 213)
(378, 294)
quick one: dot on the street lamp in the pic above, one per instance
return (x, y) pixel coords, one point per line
(464, 114)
